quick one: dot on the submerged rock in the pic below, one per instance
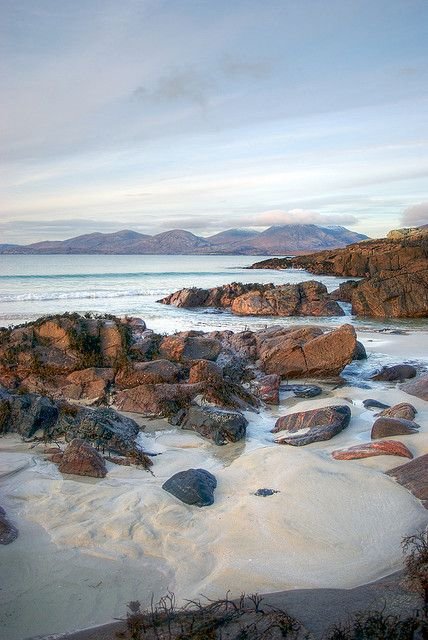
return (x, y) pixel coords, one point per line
(418, 387)
(414, 477)
(8, 533)
(374, 404)
(219, 425)
(316, 425)
(386, 427)
(398, 372)
(193, 486)
(402, 410)
(80, 459)
(302, 390)
(369, 449)
(265, 492)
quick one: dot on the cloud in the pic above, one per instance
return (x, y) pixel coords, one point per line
(301, 216)
(177, 84)
(416, 215)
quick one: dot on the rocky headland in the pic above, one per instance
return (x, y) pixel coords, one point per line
(393, 272)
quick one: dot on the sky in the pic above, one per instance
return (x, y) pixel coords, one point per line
(206, 115)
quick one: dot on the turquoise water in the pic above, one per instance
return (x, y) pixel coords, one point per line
(32, 286)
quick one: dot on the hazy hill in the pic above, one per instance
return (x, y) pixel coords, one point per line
(277, 240)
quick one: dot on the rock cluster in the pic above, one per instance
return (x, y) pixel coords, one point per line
(304, 299)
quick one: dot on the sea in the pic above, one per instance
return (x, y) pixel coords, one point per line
(36, 285)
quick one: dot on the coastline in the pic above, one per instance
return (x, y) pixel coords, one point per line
(128, 520)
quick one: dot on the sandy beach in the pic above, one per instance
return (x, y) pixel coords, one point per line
(87, 547)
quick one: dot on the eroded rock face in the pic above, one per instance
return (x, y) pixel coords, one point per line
(8, 533)
(369, 449)
(188, 346)
(402, 410)
(398, 372)
(413, 475)
(88, 384)
(157, 400)
(219, 425)
(205, 371)
(152, 372)
(314, 426)
(193, 486)
(81, 459)
(387, 427)
(418, 387)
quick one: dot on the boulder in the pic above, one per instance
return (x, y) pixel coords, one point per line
(398, 372)
(387, 427)
(193, 297)
(374, 404)
(152, 372)
(302, 390)
(219, 425)
(305, 427)
(369, 449)
(418, 387)
(193, 486)
(81, 459)
(267, 388)
(157, 400)
(88, 384)
(413, 475)
(188, 346)
(8, 533)
(402, 410)
(30, 412)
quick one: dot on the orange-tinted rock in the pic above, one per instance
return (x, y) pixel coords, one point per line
(387, 427)
(111, 341)
(188, 346)
(56, 332)
(414, 476)
(418, 387)
(82, 460)
(157, 399)
(89, 384)
(152, 372)
(402, 410)
(316, 425)
(369, 449)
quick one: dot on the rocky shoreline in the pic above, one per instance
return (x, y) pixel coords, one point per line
(394, 272)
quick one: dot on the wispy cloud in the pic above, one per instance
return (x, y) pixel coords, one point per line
(415, 215)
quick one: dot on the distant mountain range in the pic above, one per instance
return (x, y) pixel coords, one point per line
(290, 239)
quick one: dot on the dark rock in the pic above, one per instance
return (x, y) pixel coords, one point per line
(8, 533)
(320, 424)
(216, 424)
(374, 404)
(360, 351)
(194, 486)
(302, 390)
(81, 459)
(30, 412)
(369, 449)
(418, 387)
(403, 410)
(387, 427)
(413, 475)
(265, 492)
(398, 372)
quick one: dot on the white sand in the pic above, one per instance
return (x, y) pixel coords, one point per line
(87, 547)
